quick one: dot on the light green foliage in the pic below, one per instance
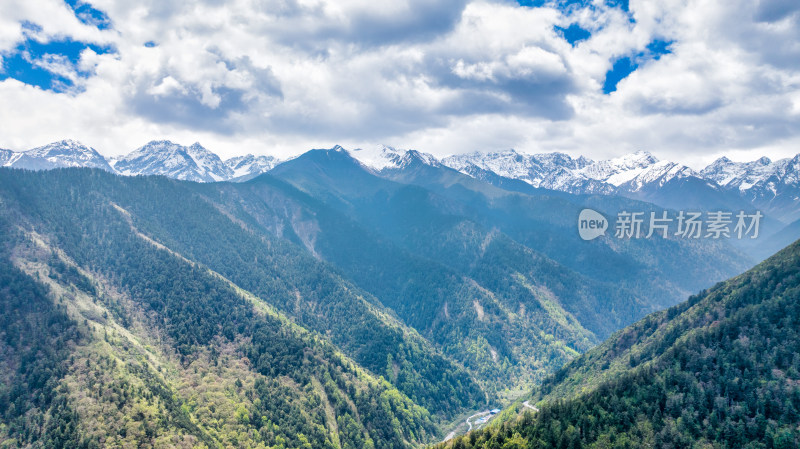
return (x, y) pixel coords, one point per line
(142, 347)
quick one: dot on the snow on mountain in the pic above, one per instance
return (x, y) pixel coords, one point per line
(209, 162)
(745, 175)
(377, 158)
(789, 172)
(64, 153)
(626, 174)
(508, 164)
(658, 174)
(413, 156)
(773, 186)
(531, 168)
(6, 156)
(619, 170)
(555, 171)
(192, 163)
(383, 157)
(249, 166)
(162, 157)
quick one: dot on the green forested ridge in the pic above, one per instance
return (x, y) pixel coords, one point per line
(181, 218)
(295, 390)
(262, 315)
(303, 288)
(468, 237)
(721, 370)
(511, 342)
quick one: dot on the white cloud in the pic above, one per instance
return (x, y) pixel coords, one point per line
(531, 63)
(167, 86)
(283, 76)
(55, 18)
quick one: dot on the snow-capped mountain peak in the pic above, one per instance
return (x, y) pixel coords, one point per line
(382, 157)
(63, 153)
(583, 161)
(163, 157)
(250, 165)
(773, 186)
(532, 169)
(378, 157)
(158, 157)
(621, 169)
(555, 171)
(412, 156)
(744, 175)
(658, 174)
(507, 163)
(722, 171)
(209, 162)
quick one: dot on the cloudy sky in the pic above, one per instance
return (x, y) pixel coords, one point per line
(688, 80)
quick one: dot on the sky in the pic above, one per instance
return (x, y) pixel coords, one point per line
(688, 80)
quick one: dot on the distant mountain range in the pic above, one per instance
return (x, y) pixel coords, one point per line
(344, 299)
(66, 153)
(159, 157)
(770, 186)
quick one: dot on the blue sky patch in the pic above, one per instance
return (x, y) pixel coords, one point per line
(574, 33)
(627, 65)
(621, 4)
(658, 48)
(87, 14)
(50, 66)
(531, 3)
(621, 69)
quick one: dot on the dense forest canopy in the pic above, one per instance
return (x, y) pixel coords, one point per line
(719, 371)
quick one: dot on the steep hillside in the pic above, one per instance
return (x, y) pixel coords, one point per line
(720, 370)
(116, 334)
(497, 319)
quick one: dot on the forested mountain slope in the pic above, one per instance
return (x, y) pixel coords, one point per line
(507, 268)
(114, 334)
(720, 371)
(323, 304)
(497, 320)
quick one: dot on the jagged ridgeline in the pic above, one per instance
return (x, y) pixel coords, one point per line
(721, 370)
(121, 327)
